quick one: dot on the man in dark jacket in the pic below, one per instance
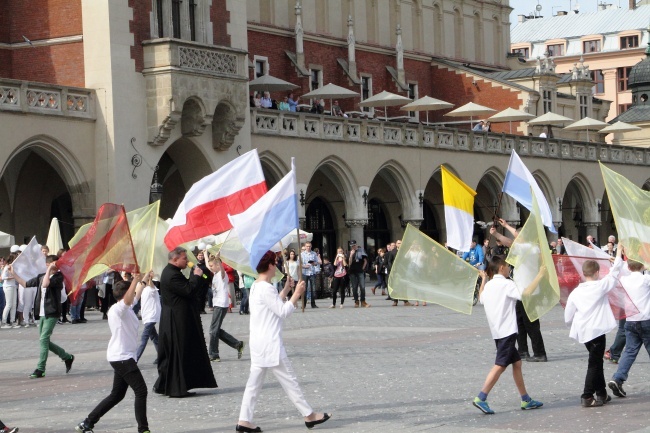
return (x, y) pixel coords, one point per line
(183, 361)
(204, 282)
(48, 300)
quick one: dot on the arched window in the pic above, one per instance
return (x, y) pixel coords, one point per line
(429, 224)
(318, 220)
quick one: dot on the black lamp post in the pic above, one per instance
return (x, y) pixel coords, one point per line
(156, 188)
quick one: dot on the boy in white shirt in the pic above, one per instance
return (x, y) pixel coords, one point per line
(637, 327)
(121, 354)
(590, 316)
(500, 296)
(150, 312)
(220, 302)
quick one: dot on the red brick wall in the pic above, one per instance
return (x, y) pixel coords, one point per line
(4, 22)
(5, 63)
(140, 26)
(220, 17)
(458, 89)
(43, 19)
(56, 64)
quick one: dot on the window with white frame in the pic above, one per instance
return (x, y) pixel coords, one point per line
(413, 95)
(366, 91)
(182, 19)
(261, 66)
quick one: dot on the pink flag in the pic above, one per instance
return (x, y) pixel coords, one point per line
(205, 208)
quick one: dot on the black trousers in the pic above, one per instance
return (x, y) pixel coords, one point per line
(526, 329)
(338, 285)
(127, 374)
(595, 379)
(109, 299)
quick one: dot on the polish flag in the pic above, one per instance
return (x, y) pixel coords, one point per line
(205, 208)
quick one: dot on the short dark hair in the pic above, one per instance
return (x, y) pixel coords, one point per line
(494, 265)
(634, 265)
(51, 258)
(590, 268)
(267, 259)
(120, 288)
(175, 253)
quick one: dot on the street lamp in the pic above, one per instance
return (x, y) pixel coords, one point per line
(156, 188)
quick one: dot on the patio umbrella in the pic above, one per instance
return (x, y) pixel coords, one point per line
(470, 110)
(426, 103)
(619, 127)
(385, 99)
(54, 241)
(586, 123)
(6, 240)
(270, 84)
(331, 91)
(510, 115)
(550, 119)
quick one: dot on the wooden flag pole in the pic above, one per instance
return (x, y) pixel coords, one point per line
(300, 267)
(496, 214)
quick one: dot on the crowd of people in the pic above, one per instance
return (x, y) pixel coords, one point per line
(291, 103)
(175, 303)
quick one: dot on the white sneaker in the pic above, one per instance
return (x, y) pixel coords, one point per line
(331, 306)
(341, 306)
(6, 327)
(25, 324)
(16, 325)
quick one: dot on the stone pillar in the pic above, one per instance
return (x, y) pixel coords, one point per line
(356, 230)
(414, 222)
(592, 229)
(352, 63)
(300, 51)
(399, 48)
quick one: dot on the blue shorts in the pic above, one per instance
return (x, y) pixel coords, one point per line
(507, 352)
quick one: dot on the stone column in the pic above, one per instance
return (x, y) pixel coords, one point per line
(300, 51)
(414, 222)
(352, 63)
(356, 230)
(592, 229)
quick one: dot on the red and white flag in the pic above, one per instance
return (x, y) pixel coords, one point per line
(205, 208)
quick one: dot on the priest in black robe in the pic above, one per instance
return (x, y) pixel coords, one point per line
(183, 361)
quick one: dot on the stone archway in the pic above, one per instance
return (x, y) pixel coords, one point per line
(40, 180)
(273, 168)
(577, 211)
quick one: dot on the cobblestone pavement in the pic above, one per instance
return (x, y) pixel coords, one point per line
(379, 369)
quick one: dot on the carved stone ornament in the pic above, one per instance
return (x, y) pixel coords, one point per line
(415, 222)
(207, 60)
(356, 223)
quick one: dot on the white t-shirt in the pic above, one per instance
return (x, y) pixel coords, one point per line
(150, 302)
(8, 281)
(500, 297)
(220, 291)
(587, 308)
(637, 287)
(124, 333)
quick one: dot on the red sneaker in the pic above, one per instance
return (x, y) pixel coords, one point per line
(607, 355)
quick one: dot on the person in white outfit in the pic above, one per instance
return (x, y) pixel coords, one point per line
(150, 312)
(590, 316)
(10, 287)
(268, 309)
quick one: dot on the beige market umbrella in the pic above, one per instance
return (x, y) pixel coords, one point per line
(427, 103)
(510, 115)
(586, 123)
(54, 242)
(619, 127)
(549, 119)
(6, 240)
(331, 91)
(270, 84)
(385, 99)
(470, 110)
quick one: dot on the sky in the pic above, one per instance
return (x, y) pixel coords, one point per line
(550, 7)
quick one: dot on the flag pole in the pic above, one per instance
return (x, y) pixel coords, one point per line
(300, 266)
(224, 243)
(498, 205)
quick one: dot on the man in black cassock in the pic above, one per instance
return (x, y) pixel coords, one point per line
(183, 361)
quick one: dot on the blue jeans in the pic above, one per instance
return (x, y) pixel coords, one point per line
(149, 332)
(310, 283)
(358, 281)
(636, 334)
(616, 348)
(75, 310)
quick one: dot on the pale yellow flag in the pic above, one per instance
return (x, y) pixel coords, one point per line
(631, 209)
(528, 253)
(426, 271)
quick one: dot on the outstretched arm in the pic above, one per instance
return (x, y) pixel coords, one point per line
(533, 285)
(505, 240)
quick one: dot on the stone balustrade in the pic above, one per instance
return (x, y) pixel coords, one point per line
(48, 99)
(314, 126)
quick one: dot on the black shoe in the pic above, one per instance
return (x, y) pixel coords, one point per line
(37, 374)
(75, 321)
(83, 428)
(83, 320)
(105, 316)
(240, 349)
(540, 358)
(524, 355)
(604, 398)
(617, 388)
(215, 359)
(314, 306)
(247, 429)
(68, 364)
(311, 424)
(389, 298)
(591, 402)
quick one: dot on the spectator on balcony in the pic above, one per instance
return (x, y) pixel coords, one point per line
(487, 127)
(284, 104)
(479, 126)
(266, 101)
(336, 109)
(293, 103)
(317, 107)
(257, 101)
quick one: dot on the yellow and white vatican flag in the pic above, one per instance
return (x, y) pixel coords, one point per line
(631, 209)
(528, 253)
(459, 210)
(426, 271)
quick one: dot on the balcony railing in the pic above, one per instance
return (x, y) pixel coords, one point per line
(321, 127)
(29, 97)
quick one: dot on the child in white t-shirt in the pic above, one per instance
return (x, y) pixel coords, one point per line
(500, 296)
(121, 354)
(220, 302)
(590, 316)
(150, 312)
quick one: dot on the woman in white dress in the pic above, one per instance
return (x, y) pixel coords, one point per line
(268, 310)
(293, 266)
